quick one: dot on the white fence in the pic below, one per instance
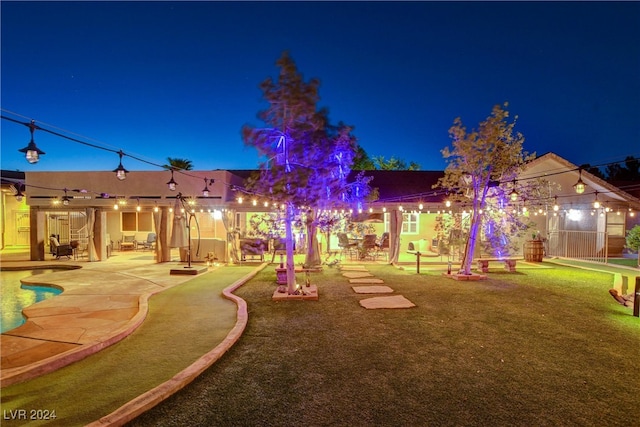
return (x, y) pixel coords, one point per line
(584, 245)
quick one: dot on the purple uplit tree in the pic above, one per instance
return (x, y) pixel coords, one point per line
(481, 164)
(306, 159)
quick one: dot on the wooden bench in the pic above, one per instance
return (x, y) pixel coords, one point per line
(509, 263)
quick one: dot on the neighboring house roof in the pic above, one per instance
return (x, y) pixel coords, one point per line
(409, 186)
(393, 186)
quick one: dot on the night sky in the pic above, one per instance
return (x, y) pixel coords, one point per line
(165, 79)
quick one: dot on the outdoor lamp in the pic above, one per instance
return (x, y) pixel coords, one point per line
(31, 151)
(19, 194)
(205, 190)
(579, 186)
(65, 199)
(172, 184)
(596, 203)
(514, 194)
(121, 172)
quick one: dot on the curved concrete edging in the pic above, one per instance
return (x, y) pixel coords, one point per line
(153, 397)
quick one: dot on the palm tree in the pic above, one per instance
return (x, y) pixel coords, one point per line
(178, 164)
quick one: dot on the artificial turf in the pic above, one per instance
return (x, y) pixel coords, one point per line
(183, 323)
(543, 346)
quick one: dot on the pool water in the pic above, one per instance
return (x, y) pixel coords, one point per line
(15, 296)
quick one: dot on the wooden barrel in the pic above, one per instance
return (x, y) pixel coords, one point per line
(533, 251)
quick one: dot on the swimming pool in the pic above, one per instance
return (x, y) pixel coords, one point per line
(15, 296)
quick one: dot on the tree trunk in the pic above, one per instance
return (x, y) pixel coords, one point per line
(291, 272)
(470, 245)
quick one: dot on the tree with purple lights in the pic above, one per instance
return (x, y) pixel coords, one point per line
(481, 165)
(306, 159)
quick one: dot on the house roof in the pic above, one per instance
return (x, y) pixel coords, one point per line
(556, 166)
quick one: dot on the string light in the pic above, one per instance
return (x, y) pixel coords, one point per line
(172, 184)
(31, 151)
(121, 172)
(596, 203)
(514, 194)
(579, 186)
(19, 194)
(65, 199)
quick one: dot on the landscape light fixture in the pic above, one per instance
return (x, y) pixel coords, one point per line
(580, 185)
(121, 172)
(31, 151)
(172, 184)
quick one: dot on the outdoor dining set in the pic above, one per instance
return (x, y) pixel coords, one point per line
(367, 247)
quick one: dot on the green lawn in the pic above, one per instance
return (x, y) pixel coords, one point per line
(544, 346)
(627, 262)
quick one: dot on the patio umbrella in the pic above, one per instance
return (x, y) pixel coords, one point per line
(179, 237)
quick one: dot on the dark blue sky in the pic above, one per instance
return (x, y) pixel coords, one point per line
(165, 79)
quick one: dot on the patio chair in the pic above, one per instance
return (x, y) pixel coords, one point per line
(59, 250)
(383, 245)
(370, 247)
(346, 246)
(128, 242)
(150, 243)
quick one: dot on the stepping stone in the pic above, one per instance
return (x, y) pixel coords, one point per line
(357, 274)
(369, 280)
(353, 268)
(396, 301)
(372, 289)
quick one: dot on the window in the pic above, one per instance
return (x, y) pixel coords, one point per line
(615, 223)
(137, 221)
(410, 223)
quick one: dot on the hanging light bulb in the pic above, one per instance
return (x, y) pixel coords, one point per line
(19, 196)
(596, 203)
(580, 185)
(447, 203)
(31, 151)
(514, 194)
(121, 172)
(555, 203)
(205, 190)
(65, 199)
(172, 184)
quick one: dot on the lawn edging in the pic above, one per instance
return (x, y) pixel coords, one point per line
(148, 400)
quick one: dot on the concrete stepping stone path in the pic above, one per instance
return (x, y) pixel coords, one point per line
(396, 301)
(353, 268)
(372, 289)
(357, 274)
(366, 280)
